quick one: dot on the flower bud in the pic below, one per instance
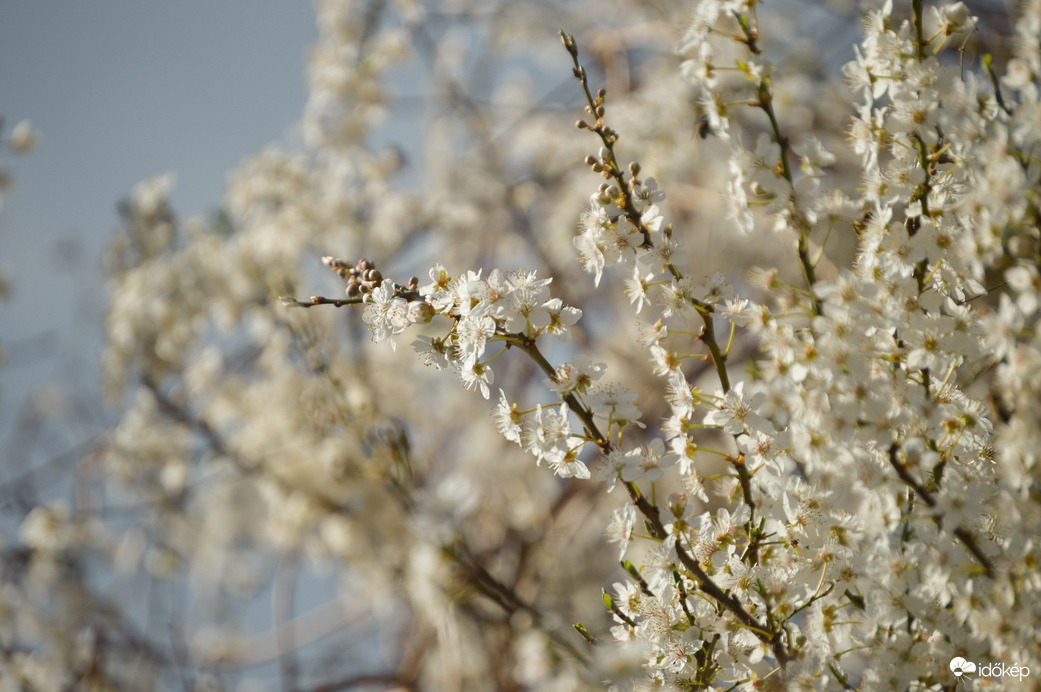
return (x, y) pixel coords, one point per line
(420, 312)
(23, 137)
(677, 503)
(957, 16)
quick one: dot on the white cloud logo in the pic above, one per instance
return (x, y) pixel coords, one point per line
(960, 666)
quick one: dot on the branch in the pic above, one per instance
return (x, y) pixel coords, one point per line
(650, 512)
(318, 300)
(966, 538)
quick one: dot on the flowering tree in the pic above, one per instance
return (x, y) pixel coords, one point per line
(818, 474)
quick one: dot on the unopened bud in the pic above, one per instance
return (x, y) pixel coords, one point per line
(957, 16)
(569, 43)
(23, 137)
(420, 312)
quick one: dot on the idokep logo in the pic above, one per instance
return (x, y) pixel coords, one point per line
(959, 666)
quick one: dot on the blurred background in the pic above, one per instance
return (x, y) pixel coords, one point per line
(121, 91)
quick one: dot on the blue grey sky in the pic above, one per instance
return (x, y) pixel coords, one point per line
(120, 91)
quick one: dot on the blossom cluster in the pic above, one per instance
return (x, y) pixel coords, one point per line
(511, 309)
(856, 446)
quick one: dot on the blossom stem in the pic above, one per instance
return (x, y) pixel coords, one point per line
(708, 333)
(995, 84)
(920, 42)
(608, 137)
(719, 360)
(319, 300)
(681, 587)
(764, 101)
